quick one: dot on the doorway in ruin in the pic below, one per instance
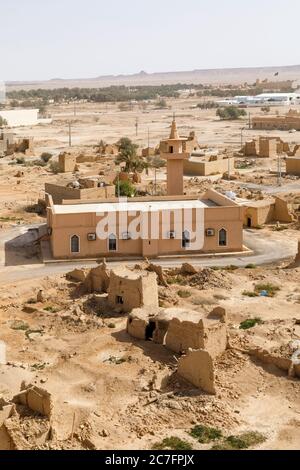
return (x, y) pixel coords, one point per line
(249, 222)
(150, 330)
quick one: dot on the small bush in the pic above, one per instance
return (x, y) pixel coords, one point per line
(31, 301)
(172, 443)
(250, 322)
(220, 297)
(230, 113)
(271, 289)
(54, 167)
(20, 160)
(124, 188)
(19, 325)
(111, 325)
(205, 434)
(242, 441)
(39, 162)
(249, 293)
(231, 267)
(35, 209)
(51, 309)
(250, 266)
(46, 156)
(203, 301)
(184, 294)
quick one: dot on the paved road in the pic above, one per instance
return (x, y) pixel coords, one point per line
(271, 189)
(267, 247)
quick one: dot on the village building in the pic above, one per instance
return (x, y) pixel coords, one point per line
(23, 117)
(289, 121)
(9, 145)
(132, 289)
(265, 147)
(283, 208)
(197, 336)
(82, 189)
(293, 165)
(199, 164)
(160, 225)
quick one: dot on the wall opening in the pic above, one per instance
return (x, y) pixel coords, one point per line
(150, 330)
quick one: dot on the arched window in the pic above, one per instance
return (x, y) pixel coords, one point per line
(112, 242)
(74, 244)
(185, 239)
(222, 237)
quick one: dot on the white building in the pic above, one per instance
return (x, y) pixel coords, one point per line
(22, 117)
(264, 99)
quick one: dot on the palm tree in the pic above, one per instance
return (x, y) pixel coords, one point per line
(127, 154)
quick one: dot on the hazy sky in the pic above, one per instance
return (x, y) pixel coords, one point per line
(78, 39)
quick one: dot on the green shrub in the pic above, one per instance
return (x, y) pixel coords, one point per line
(19, 325)
(51, 309)
(205, 434)
(250, 322)
(46, 156)
(242, 441)
(184, 294)
(250, 266)
(231, 267)
(39, 162)
(271, 289)
(54, 167)
(20, 160)
(125, 189)
(203, 301)
(249, 293)
(172, 443)
(111, 325)
(230, 113)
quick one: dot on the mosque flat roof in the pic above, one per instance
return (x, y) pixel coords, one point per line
(146, 206)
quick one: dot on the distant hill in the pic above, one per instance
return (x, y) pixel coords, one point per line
(210, 76)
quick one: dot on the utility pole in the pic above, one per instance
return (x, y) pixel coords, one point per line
(136, 126)
(228, 169)
(148, 140)
(242, 129)
(279, 170)
(70, 135)
(118, 182)
(249, 123)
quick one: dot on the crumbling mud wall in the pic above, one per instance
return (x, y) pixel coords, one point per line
(182, 335)
(6, 411)
(136, 327)
(129, 290)
(98, 279)
(197, 368)
(283, 363)
(35, 398)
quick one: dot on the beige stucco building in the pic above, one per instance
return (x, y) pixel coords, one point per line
(291, 120)
(148, 226)
(72, 227)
